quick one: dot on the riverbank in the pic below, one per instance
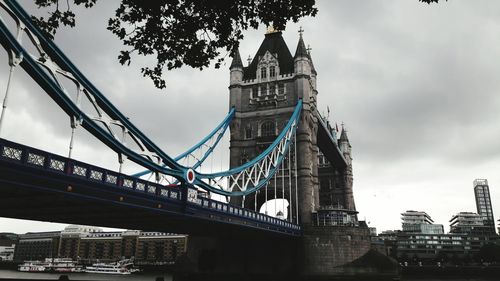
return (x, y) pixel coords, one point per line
(486, 272)
(8, 275)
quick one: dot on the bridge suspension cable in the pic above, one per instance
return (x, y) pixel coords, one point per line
(48, 65)
(203, 149)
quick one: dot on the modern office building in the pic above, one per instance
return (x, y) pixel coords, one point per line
(419, 222)
(483, 202)
(412, 246)
(468, 222)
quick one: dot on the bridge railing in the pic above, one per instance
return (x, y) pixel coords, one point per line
(49, 163)
(262, 220)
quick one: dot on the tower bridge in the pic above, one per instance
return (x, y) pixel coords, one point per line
(281, 150)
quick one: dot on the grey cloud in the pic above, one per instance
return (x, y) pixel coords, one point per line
(416, 84)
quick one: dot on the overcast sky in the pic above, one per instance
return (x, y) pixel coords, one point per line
(416, 85)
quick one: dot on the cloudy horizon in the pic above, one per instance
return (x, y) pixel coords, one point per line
(416, 85)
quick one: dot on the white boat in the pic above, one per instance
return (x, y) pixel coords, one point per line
(121, 267)
(50, 265)
(32, 266)
(65, 265)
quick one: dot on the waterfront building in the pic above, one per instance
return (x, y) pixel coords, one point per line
(144, 247)
(419, 222)
(69, 242)
(37, 245)
(89, 244)
(7, 245)
(7, 252)
(411, 246)
(483, 203)
(422, 240)
(7, 238)
(468, 222)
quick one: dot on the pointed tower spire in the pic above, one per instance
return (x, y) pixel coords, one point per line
(236, 63)
(313, 69)
(236, 69)
(343, 135)
(301, 47)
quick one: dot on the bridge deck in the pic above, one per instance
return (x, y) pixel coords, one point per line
(37, 185)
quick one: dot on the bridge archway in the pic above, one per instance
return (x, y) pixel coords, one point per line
(278, 208)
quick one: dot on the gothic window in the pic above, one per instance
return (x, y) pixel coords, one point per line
(263, 90)
(272, 71)
(248, 132)
(281, 89)
(263, 73)
(244, 158)
(272, 89)
(255, 92)
(267, 129)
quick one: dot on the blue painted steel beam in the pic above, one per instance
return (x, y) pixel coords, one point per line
(55, 92)
(223, 125)
(37, 170)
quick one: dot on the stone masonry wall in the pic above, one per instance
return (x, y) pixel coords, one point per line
(329, 247)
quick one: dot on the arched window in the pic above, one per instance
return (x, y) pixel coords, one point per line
(267, 129)
(263, 73)
(272, 71)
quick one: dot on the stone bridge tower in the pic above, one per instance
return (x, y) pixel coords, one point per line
(265, 93)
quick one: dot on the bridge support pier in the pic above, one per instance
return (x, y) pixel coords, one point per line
(237, 258)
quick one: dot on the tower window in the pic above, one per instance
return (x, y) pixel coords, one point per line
(272, 71)
(263, 90)
(248, 132)
(281, 89)
(263, 73)
(272, 89)
(267, 129)
(255, 92)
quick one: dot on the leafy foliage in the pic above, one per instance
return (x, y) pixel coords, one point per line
(182, 32)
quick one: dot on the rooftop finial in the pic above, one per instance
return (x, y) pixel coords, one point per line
(309, 49)
(271, 29)
(301, 30)
(249, 59)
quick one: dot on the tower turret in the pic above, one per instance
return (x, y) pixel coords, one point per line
(236, 69)
(235, 80)
(345, 145)
(301, 59)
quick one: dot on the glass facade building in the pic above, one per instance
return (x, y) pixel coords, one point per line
(483, 202)
(419, 222)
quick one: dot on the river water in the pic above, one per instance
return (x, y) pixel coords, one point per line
(151, 276)
(85, 276)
